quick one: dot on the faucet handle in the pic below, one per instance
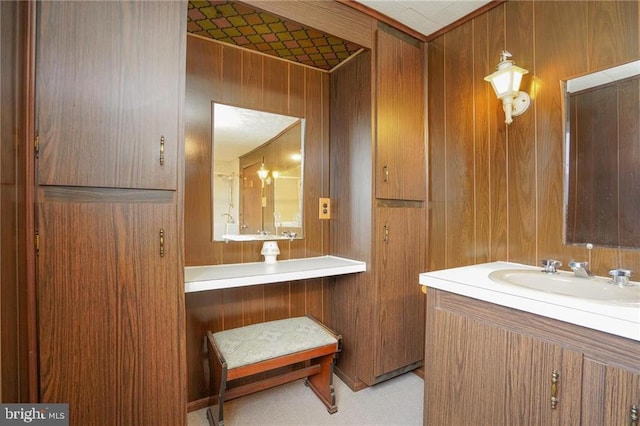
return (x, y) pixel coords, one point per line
(550, 265)
(620, 277)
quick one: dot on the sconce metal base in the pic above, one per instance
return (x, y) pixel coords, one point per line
(521, 103)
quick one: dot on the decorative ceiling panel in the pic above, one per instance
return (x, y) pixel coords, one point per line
(238, 24)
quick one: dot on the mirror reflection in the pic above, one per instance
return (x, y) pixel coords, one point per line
(602, 157)
(257, 174)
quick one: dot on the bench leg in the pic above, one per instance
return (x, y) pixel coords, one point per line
(322, 383)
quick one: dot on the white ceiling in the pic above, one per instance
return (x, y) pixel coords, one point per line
(425, 16)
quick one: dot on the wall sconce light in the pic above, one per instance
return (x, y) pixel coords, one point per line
(266, 175)
(506, 83)
(263, 172)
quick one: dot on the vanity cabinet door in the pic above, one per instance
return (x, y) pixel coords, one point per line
(543, 383)
(400, 256)
(479, 372)
(400, 143)
(621, 393)
(109, 88)
(464, 371)
(110, 312)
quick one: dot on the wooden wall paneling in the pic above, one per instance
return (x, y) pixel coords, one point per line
(275, 85)
(251, 86)
(521, 144)
(558, 29)
(613, 33)
(16, 232)
(483, 97)
(230, 75)
(525, 159)
(459, 143)
(437, 241)
(204, 313)
(351, 188)
(498, 166)
(204, 78)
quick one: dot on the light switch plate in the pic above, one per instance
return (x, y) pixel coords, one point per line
(324, 206)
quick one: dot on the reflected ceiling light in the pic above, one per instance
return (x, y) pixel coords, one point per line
(506, 83)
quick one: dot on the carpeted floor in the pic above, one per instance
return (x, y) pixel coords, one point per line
(397, 401)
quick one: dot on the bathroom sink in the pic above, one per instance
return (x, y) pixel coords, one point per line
(565, 283)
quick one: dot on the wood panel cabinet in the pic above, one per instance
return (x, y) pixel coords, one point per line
(109, 92)
(492, 365)
(109, 318)
(400, 257)
(110, 287)
(380, 313)
(400, 143)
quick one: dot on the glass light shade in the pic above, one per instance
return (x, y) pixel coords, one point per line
(506, 80)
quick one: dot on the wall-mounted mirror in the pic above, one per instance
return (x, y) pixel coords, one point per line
(257, 174)
(602, 157)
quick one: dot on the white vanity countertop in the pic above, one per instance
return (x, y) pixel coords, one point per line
(473, 281)
(215, 277)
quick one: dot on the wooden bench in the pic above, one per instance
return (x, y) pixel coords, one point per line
(246, 351)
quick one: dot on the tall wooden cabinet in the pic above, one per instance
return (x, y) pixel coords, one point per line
(378, 182)
(110, 291)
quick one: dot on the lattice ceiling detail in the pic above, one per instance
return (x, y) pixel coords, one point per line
(238, 24)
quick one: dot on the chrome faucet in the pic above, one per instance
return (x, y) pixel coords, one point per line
(580, 269)
(550, 266)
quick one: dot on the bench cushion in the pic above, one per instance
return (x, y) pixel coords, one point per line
(259, 342)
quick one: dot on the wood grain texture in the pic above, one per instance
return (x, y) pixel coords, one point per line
(400, 310)
(598, 372)
(75, 116)
(220, 73)
(399, 117)
(15, 205)
(116, 369)
(351, 154)
(519, 179)
(331, 17)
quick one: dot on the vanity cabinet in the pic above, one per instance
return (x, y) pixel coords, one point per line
(108, 96)
(109, 266)
(400, 119)
(488, 364)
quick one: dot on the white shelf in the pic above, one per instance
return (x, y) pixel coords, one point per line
(215, 277)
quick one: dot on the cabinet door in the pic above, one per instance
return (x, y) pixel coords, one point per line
(400, 149)
(109, 85)
(464, 371)
(536, 372)
(400, 246)
(110, 312)
(621, 393)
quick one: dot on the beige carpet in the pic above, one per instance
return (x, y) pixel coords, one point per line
(395, 402)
